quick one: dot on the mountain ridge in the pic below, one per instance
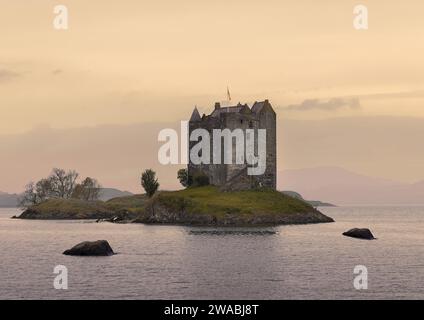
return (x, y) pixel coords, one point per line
(344, 187)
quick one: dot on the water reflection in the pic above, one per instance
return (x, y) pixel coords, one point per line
(232, 232)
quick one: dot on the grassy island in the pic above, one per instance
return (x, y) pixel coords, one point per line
(192, 206)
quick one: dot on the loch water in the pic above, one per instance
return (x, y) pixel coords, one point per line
(175, 262)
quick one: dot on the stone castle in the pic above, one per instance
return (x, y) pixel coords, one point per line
(235, 176)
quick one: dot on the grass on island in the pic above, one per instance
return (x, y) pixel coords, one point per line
(209, 200)
(80, 209)
(194, 200)
(66, 205)
(134, 204)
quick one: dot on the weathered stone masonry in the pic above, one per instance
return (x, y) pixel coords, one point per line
(234, 176)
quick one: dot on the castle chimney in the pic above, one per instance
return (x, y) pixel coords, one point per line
(217, 105)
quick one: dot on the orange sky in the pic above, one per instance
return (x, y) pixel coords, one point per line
(148, 61)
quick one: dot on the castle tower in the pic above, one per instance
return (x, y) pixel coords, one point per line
(234, 176)
(268, 120)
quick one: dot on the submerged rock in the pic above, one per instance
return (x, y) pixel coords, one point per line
(91, 248)
(359, 233)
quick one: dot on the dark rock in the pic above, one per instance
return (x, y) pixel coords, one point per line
(359, 233)
(91, 248)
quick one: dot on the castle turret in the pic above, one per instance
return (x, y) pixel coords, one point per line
(195, 116)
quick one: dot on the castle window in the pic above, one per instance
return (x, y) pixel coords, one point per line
(250, 124)
(241, 121)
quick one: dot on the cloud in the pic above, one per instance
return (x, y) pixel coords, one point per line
(329, 105)
(7, 75)
(395, 95)
(57, 71)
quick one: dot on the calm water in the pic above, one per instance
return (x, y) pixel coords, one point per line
(171, 262)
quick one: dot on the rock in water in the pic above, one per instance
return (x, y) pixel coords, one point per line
(359, 233)
(91, 248)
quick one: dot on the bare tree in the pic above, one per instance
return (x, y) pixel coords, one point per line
(63, 183)
(60, 184)
(88, 190)
(72, 177)
(29, 197)
(44, 189)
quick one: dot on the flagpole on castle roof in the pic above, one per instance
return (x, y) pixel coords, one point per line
(228, 94)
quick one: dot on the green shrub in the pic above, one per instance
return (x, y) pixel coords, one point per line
(200, 179)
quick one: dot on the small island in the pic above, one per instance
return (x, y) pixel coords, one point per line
(200, 206)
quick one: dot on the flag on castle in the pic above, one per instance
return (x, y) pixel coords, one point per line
(228, 94)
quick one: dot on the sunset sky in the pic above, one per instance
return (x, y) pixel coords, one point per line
(126, 63)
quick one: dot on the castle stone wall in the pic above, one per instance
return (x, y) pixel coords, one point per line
(260, 116)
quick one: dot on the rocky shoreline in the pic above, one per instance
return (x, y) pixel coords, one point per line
(34, 214)
(161, 215)
(209, 207)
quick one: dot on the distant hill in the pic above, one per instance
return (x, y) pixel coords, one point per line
(343, 187)
(314, 203)
(8, 200)
(11, 200)
(109, 193)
